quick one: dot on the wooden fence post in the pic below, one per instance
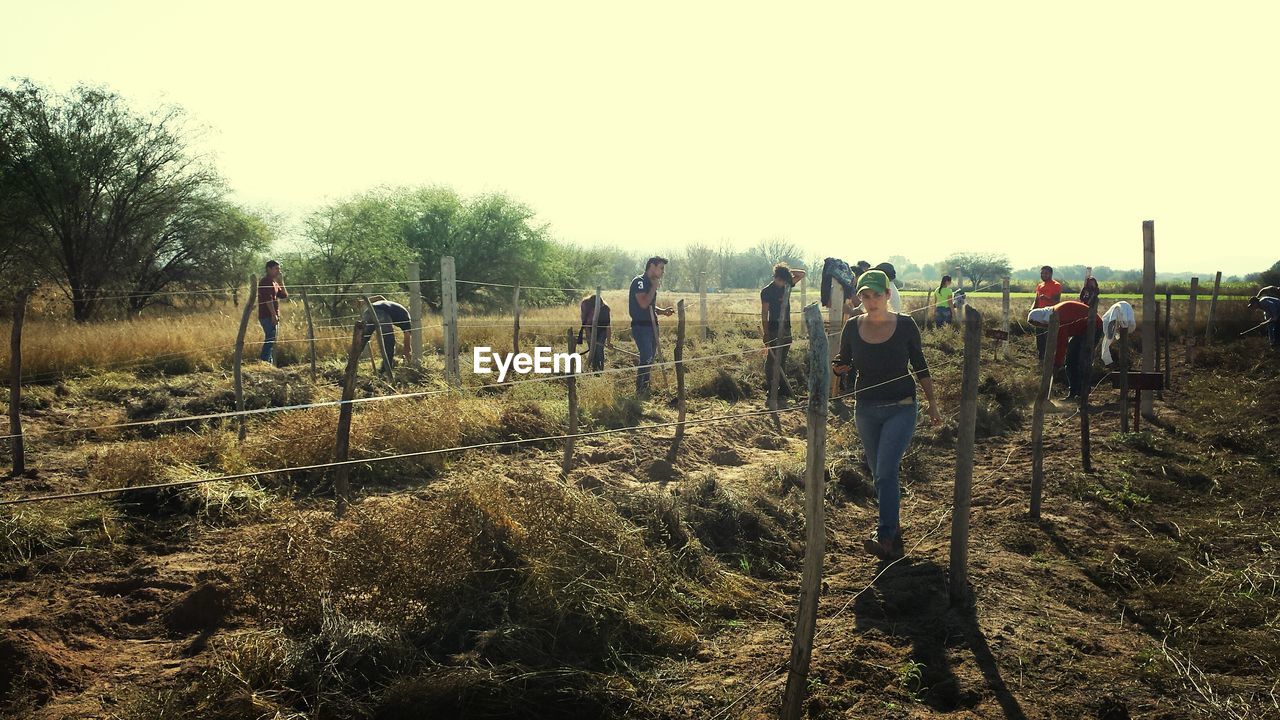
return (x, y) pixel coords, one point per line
(311, 334)
(415, 311)
(959, 573)
(835, 327)
(1168, 346)
(1191, 318)
(239, 357)
(1158, 393)
(1037, 418)
(342, 442)
(449, 306)
(930, 311)
(702, 306)
(515, 320)
(1004, 310)
(815, 531)
(15, 381)
(381, 340)
(1213, 309)
(1149, 308)
(803, 302)
(593, 341)
(775, 353)
(1124, 379)
(571, 381)
(1090, 333)
(680, 392)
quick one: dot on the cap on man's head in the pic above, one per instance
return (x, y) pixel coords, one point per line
(272, 263)
(887, 269)
(874, 280)
(864, 264)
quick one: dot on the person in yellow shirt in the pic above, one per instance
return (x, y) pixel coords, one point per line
(946, 299)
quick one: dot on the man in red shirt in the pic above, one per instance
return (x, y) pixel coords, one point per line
(270, 289)
(1072, 326)
(1048, 294)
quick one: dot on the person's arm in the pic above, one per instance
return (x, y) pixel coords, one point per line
(280, 291)
(646, 298)
(935, 417)
(764, 322)
(843, 362)
(920, 366)
(1056, 298)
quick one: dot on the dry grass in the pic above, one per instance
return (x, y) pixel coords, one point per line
(497, 594)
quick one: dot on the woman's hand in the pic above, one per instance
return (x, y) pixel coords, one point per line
(934, 418)
(839, 369)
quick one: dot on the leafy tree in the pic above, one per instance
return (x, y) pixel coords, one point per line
(1270, 276)
(352, 242)
(978, 268)
(205, 243)
(86, 180)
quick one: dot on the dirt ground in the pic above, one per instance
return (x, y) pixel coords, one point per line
(1148, 589)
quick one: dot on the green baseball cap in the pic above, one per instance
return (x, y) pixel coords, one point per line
(873, 280)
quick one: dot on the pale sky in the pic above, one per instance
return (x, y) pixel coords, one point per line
(1045, 131)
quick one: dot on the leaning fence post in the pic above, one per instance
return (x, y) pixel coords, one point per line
(815, 531)
(1037, 418)
(783, 335)
(515, 321)
(1168, 348)
(239, 357)
(1156, 368)
(1004, 309)
(680, 392)
(835, 325)
(1090, 332)
(1191, 318)
(803, 302)
(1124, 379)
(1213, 309)
(930, 311)
(415, 311)
(382, 340)
(341, 488)
(702, 305)
(15, 381)
(572, 382)
(958, 575)
(449, 316)
(1149, 307)
(311, 334)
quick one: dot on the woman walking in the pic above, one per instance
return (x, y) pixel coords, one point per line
(875, 348)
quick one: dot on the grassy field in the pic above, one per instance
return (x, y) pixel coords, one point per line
(481, 584)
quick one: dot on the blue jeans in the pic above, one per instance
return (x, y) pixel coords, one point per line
(941, 316)
(1079, 364)
(388, 344)
(886, 432)
(646, 345)
(269, 339)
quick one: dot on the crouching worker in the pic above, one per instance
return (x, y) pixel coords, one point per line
(587, 311)
(1270, 308)
(390, 315)
(1071, 344)
(875, 349)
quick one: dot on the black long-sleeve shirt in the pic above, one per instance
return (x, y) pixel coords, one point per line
(879, 370)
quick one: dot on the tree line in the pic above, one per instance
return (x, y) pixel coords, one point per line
(116, 210)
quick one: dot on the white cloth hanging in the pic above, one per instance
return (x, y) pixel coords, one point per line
(1119, 315)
